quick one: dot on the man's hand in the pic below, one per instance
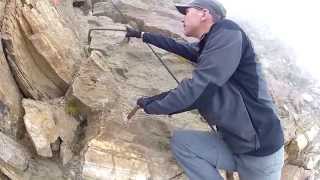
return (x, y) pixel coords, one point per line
(143, 102)
(133, 33)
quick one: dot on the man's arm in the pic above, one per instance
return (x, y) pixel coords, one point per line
(186, 50)
(217, 63)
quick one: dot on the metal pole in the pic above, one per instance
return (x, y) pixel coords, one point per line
(163, 63)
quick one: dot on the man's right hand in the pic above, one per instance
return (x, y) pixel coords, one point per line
(133, 33)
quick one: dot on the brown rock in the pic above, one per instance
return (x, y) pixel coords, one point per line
(10, 106)
(119, 152)
(94, 88)
(39, 121)
(153, 16)
(42, 52)
(105, 41)
(45, 123)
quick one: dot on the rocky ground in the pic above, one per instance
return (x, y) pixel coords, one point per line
(65, 95)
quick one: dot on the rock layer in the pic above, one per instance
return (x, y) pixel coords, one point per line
(42, 45)
(41, 51)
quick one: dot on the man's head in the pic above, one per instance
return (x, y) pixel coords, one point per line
(200, 15)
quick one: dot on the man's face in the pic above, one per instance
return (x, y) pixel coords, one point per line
(192, 21)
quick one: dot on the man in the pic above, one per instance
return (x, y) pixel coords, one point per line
(228, 90)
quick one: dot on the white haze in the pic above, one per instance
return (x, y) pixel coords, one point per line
(296, 23)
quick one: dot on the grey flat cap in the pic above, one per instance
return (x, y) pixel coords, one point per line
(211, 5)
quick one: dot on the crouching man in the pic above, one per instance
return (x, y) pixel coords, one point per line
(228, 90)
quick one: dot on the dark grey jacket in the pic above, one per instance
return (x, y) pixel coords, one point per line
(226, 87)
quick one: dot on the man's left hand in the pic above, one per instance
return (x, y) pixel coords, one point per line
(143, 102)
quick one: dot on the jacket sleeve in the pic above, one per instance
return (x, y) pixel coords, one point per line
(217, 63)
(186, 50)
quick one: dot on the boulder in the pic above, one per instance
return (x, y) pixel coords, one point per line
(151, 15)
(106, 38)
(94, 89)
(45, 122)
(40, 126)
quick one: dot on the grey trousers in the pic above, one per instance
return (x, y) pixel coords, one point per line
(201, 153)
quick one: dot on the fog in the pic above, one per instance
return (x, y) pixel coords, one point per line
(296, 23)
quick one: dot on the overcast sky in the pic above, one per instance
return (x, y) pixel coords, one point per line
(297, 23)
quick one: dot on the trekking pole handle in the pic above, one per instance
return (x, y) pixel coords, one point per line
(133, 112)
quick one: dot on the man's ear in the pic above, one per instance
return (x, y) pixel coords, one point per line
(205, 14)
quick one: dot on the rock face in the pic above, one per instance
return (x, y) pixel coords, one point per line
(144, 14)
(94, 88)
(10, 96)
(124, 154)
(114, 148)
(41, 52)
(84, 134)
(10, 101)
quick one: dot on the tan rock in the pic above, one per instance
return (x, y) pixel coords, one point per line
(137, 150)
(100, 164)
(3, 176)
(2, 10)
(45, 123)
(67, 127)
(290, 172)
(115, 159)
(37, 169)
(13, 154)
(297, 145)
(39, 121)
(94, 88)
(153, 16)
(10, 106)
(312, 161)
(105, 41)
(42, 52)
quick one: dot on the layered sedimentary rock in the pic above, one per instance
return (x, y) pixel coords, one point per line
(85, 135)
(10, 101)
(41, 51)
